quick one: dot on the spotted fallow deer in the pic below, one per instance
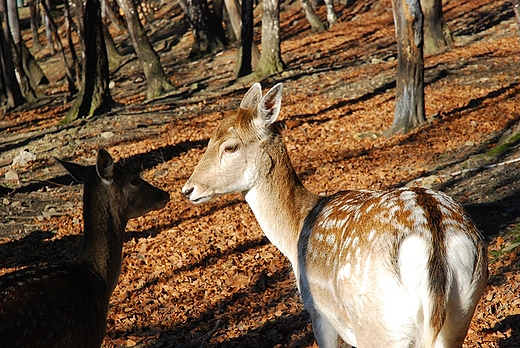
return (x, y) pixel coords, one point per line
(66, 304)
(398, 268)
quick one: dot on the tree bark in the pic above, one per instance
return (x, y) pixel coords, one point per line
(48, 30)
(75, 67)
(208, 33)
(516, 9)
(270, 58)
(249, 55)
(158, 84)
(53, 28)
(94, 97)
(437, 34)
(33, 8)
(14, 96)
(112, 16)
(114, 57)
(242, 24)
(20, 68)
(315, 21)
(409, 108)
(32, 68)
(332, 18)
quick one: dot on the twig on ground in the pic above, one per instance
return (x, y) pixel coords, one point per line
(486, 166)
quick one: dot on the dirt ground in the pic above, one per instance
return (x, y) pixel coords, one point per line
(196, 276)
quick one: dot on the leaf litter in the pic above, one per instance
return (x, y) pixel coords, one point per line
(197, 276)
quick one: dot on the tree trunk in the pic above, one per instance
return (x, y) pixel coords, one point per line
(332, 18)
(114, 57)
(158, 84)
(14, 21)
(437, 34)
(21, 70)
(113, 18)
(409, 108)
(208, 33)
(242, 24)
(32, 68)
(48, 30)
(33, 8)
(249, 55)
(3, 90)
(75, 66)
(516, 8)
(52, 26)
(94, 97)
(13, 92)
(315, 21)
(270, 59)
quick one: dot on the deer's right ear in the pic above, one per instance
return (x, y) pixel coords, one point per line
(77, 171)
(252, 97)
(105, 166)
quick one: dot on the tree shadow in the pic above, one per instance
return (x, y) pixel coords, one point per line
(483, 19)
(510, 323)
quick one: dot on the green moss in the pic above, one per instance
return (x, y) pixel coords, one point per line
(497, 150)
(513, 240)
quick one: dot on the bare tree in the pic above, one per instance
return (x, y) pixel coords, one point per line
(516, 9)
(158, 84)
(18, 50)
(48, 31)
(32, 75)
(270, 58)
(94, 96)
(332, 17)
(114, 57)
(312, 17)
(34, 20)
(409, 108)
(13, 93)
(241, 19)
(54, 29)
(75, 64)
(437, 34)
(208, 33)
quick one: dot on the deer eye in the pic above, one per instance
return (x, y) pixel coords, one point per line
(231, 148)
(135, 182)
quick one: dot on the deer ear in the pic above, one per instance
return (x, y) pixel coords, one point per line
(269, 107)
(77, 171)
(105, 166)
(252, 97)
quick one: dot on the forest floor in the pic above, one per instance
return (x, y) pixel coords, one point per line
(205, 275)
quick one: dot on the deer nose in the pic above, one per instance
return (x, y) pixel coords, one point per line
(187, 192)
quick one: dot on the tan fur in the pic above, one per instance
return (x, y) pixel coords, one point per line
(397, 268)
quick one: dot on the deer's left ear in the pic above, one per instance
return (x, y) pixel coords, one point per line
(269, 107)
(77, 171)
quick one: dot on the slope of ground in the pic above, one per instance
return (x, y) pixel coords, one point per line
(205, 275)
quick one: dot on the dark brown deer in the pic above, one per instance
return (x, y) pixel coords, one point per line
(398, 268)
(66, 304)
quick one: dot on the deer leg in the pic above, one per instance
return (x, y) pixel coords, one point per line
(326, 335)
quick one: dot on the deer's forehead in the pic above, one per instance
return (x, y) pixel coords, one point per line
(239, 125)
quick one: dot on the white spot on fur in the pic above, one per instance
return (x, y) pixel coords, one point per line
(355, 241)
(371, 235)
(330, 239)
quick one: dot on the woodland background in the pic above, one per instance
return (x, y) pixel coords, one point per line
(205, 275)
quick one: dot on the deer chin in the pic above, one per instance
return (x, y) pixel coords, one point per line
(201, 199)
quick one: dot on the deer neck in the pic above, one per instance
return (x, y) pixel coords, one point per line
(281, 203)
(103, 240)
